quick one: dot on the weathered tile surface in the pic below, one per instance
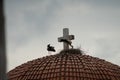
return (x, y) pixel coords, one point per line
(67, 65)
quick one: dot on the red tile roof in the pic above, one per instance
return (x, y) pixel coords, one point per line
(67, 65)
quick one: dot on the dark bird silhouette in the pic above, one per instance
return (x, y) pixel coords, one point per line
(66, 41)
(50, 48)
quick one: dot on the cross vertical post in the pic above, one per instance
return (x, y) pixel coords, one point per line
(65, 35)
(66, 39)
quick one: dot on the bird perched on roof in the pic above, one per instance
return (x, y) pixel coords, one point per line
(50, 48)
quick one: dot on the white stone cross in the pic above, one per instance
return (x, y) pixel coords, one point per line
(66, 39)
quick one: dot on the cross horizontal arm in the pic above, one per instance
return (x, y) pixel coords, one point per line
(70, 37)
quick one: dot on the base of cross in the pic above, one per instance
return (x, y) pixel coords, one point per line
(72, 51)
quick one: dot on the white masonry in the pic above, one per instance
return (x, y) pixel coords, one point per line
(67, 37)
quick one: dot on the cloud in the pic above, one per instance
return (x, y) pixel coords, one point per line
(31, 25)
(109, 49)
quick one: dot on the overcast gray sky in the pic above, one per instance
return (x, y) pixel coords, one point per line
(32, 24)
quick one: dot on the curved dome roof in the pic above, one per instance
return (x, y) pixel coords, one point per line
(67, 65)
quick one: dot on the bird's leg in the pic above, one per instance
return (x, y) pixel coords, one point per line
(71, 46)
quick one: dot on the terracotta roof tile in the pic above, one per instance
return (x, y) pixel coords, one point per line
(67, 65)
